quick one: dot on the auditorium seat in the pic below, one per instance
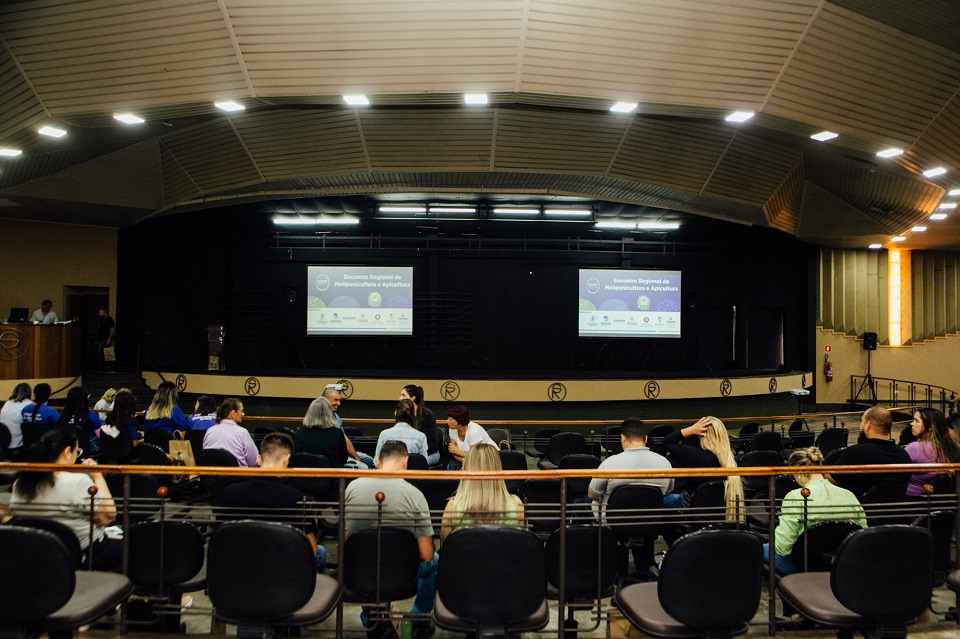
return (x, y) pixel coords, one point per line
(144, 502)
(767, 440)
(380, 565)
(577, 486)
(758, 485)
(541, 504)
(816, 547)
(115, 450)
(538, 447)
(318, 488)
(590, 568)
(655, 438)
(62, 532)
(634, 513)
(500, 436)
(561, 445)
(831, 439)
(741, 442)
(513, 460)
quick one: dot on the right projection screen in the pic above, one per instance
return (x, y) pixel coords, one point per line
(629, 303)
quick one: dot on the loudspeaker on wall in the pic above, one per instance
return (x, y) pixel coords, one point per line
(869, 341)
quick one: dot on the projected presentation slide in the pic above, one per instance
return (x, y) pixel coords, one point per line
(620, 303)
(359, 300)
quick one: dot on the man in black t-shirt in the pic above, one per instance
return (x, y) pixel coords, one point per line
(105, 333)
(877, 448)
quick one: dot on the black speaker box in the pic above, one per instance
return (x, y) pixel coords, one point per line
(869, 341)
(292, 296)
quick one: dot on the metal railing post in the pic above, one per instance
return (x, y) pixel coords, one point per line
(771, 563)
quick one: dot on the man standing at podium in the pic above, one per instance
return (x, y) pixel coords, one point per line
(44, 314)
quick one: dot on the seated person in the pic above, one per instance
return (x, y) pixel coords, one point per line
(230, 436)
(40, 412)
(123, 416)
(825, 503)
(426, 422)
(404, 431)
(404, 507)
(164, 412)
(320, 434)
(105, 404)
(63, 496)
(77, 413)
(463, 435)
(11, 415)
(876, 448)
(204, 413)
(934, 443)
(481, 501)
(44, 314)
(272, 498)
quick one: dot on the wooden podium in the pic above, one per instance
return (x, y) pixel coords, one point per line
(39, 351)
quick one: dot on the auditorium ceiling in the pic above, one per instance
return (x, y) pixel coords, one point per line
(881, 74)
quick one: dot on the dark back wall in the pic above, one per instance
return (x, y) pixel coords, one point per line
(500, 301)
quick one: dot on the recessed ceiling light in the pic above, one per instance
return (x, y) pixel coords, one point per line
(739, 116)
(402, 209)
(898, 238)
(294, 220)
(890, 153)
(938, 216)
(623, 107)
(338, 219)
(875, 246)
(52, 132)
(954, 192)
(658, 226)
(948, 205)
(356, 100)
(10, 153)
(934, 172)
(128, 118)
(568, 212)
(475, 98)
(918, 229)
(229, 106)
(823, 136)
(509, 211)
(614, 224)
(452, 210)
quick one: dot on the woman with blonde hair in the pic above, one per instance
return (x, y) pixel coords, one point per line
(164, 413)
(714, 451)
(481, 501)
(105, 404)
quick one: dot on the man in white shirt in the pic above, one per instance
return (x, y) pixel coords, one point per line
(44, 315)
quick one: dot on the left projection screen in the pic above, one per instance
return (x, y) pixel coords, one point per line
(359, 300)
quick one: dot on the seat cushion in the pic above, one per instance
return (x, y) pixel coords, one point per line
(95, 594)
(446, 619)
(811, 595)
(195, 583)
(546, 464)
(953, 581)
(326, 594)
(640, 604)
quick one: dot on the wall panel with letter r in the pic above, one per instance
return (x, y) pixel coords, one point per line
(853, 292)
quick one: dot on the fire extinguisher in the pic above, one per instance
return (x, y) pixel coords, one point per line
(828, 368)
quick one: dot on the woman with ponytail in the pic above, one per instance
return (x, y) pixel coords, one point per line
(77, 414)
(63, 496)
(39, 412)
(426, 421)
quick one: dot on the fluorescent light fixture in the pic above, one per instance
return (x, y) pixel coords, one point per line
(453, 210)
(475, 98)
(338, 219)
(356, 100)
(658, 226)
(10, 153)
(823, 136)
(568, 212)
(229, 106)
(624, 107)
(934, 172)
(948, 205)
(875, 246)
(615, 224)
(127, 118)
(938, 216)
(954, 192)
(525, 212)
(892, 152)
(739, 116)
(918, 229)
(402, 209)
(898, 238)
(296, 220)
(52, 132)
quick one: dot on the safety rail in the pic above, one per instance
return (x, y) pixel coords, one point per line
(896, 393)
(762, 510)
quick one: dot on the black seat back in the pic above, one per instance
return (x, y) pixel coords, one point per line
(62, 531)
(258, 570)
(157, 437)
(634, 510)
(884, 502)
(577, 486)
(195, 437)
(38, 575)
(32, 432)
(831, 439)
(541, 498)
(152, 455)
(181, 553)
(214, 457)
(416, 461)
(711, 579)
(884, 573)
(815, 549)
(144, 502)
(563, 444)
(591, 560)
(311, 486)
(759, 484)
(513, 460)
(391, 551)
(5, 436)
(116, 449)
(767, 440)
(507, 571)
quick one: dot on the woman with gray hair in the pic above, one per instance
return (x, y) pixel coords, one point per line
(320, 434)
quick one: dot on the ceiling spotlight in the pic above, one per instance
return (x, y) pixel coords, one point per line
(823, 136)
(934, 172)
(918, 229)
(739, 116)
(52, 132)
(938, 216)
(475, 98)
(898, 238)
(356, 100)
(892, 152)
(948, 205)
(229, 106)
(128, 118)
(954, 192)
(875, 246)
(623, 107)
(10, 153)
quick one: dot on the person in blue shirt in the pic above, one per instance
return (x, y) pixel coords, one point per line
(204, 413)
(164, 413)
(40, 413)
(123, 416)
(77, 414)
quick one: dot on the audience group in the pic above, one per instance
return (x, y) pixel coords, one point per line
(75, 433)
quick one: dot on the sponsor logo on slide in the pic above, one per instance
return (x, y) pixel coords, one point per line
(450, 390)
(556, 392)
(593, 285)
(323, 282)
